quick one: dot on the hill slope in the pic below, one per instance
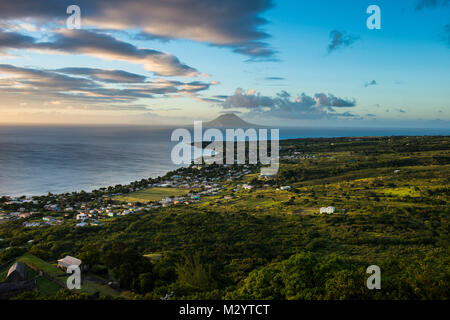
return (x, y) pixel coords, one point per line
(230, 120)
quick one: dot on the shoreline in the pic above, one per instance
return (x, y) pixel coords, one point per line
(180, 166)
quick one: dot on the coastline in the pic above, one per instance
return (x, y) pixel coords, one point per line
(163, 172)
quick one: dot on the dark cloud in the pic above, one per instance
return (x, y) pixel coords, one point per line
(283, 105)
(247, 100)
(257, 50)
(220, 97)
(331, 101)
(370, 83)
(340, 39)
(100, 45)
(235, 24)
(230, 112)
(110, 76)
(274, 78)
(431, 4)
(14, 40)
(89, 85)
(32, 78)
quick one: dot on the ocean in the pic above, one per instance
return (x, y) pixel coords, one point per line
(35, 160)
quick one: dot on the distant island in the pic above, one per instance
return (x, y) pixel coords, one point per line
(230, 120)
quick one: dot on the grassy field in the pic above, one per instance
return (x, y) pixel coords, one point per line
(46, 287)
(104, 290)
(152, 194)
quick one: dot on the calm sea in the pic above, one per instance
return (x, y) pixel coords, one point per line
(36, 160)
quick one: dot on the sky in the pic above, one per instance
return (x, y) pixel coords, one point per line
(281, 63)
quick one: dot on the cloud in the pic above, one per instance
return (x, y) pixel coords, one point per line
(331, 101)
(102, 46)
(14, 40)
(230, 112)
(248, 100)
(431, 4)
(90, 86)
(370, 83)
(274, 78)
(257, 50)
(110, 76)
(340, 39)
(235, 24)
(284, 106)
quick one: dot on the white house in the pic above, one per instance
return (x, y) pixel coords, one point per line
(68, 261)
(328, 210)
(81, 216)
(285, 188)
(81, 224)
(247, 186)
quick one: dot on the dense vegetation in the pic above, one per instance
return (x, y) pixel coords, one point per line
(273, 244)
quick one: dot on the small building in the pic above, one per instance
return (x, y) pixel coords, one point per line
(285, 188)
(328, 210)
(68, 261)
(16, 273)
(81, 224)
(81, 216)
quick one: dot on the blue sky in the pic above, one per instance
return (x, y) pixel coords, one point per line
(268, 61)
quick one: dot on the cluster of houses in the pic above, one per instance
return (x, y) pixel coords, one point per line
(20, 214)
(202, 177)
(46, 221)
(330, 210)
(298, 155)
